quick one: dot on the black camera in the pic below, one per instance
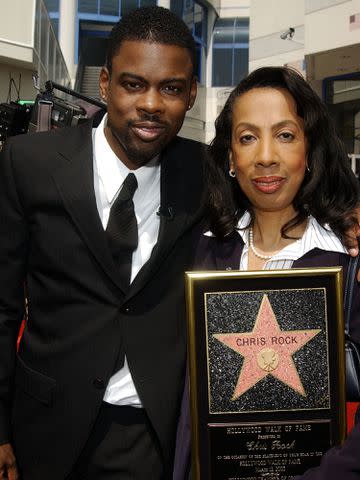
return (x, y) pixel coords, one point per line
(14, 119)
(49, 111)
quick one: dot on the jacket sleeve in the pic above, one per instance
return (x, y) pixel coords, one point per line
(13, 248)
(342, 462)
(339, 462)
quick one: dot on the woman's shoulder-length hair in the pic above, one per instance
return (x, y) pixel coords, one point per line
(330, 190)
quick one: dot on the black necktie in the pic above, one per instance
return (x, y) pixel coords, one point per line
(121, 230)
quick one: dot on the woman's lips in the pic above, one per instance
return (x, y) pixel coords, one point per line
(268, 184)
(148, 132)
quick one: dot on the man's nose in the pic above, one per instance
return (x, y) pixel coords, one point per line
(151, 101)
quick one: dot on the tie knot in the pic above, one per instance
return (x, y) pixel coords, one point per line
(129, 186)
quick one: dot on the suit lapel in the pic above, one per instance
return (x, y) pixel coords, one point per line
(228, 252)
(173, 214)
(75, 183)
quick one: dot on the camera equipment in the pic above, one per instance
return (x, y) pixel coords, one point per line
(14, 119)
(51, 111)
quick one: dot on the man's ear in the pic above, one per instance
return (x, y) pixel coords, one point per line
(104, 80)
(193, 92)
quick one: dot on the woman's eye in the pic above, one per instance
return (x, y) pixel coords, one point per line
(246, 138)
(287, 136)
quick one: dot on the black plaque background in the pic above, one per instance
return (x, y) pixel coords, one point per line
(201, 416)
(293, 310)
(281, 464)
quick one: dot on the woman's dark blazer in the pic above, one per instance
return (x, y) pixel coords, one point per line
(214, 254)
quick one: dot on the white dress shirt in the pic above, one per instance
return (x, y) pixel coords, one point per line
(109, 175)
(315, 236)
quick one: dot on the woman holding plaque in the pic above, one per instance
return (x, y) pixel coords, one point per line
(280, 186)
(280, 189)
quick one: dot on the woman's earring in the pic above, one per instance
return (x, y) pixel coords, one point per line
(232, 173)
(308, 168)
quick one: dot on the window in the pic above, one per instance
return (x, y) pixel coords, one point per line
(230, 51)
(194, 15)
(52, 5)
(88, 6)
(109, 7)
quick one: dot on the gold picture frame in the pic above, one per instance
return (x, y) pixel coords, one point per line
(267, 370)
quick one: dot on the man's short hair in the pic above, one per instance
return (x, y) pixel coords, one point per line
(151, 24)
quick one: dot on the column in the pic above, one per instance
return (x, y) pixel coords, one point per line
(67, 32)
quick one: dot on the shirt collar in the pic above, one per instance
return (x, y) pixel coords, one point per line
(111, 170)
(315, 236)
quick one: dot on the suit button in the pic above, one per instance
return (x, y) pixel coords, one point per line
(99, 383)
(126, 309)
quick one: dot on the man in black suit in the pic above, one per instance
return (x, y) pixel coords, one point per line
(95, 389)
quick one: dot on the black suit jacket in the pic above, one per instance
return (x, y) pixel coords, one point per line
(80, 317)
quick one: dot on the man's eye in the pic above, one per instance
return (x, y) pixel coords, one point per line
(132, 85)
(172, 89)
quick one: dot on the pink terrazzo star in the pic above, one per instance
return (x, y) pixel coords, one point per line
(267, 350)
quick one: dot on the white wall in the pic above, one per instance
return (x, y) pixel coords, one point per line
(267, 17)
(27, 92)
(15, 20)
(268, 20)
(16, 29)
(231, 8)
(329, 28)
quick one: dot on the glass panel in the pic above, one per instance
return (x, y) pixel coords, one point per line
(198, 20)
(198, 62)
(37, 28)
(188, 15)
(241, 64)
(55, 25)
(176, 6)
(88, 6)
(224, 31)
(222, 67)
(51, 63)
(242, 30)
(128, 5)
(109, 7)
(44, 36)
(58, 60)
(42, 75)
(147, 3)
(52, 5)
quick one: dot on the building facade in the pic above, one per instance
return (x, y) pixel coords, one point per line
(321, 39)
(65, 41)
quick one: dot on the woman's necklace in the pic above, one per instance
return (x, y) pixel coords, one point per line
(253, 249)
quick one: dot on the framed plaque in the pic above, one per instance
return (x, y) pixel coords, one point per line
(267, 371)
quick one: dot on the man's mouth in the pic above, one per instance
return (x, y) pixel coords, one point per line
(269, 184)
(148, 131)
